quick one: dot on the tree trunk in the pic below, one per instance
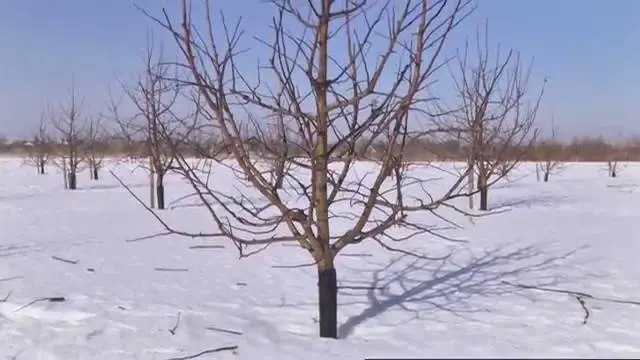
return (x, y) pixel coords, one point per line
(160, 189)
(72, 180)
(546, 176)
(152, 196)
(484, 198)
(65, 175)
(328, 299)
(41, 166)
(484, 191)
(95, 172)
(327, 286)
(90, 170)
(470, 182)
(613, 172)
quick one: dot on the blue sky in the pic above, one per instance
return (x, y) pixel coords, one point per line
(589, 51)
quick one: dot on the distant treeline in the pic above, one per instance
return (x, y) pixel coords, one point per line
(578, 149)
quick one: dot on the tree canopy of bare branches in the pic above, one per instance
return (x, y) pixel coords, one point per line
(153, 97)
(94, 147)
(41, 147)
(548, 153)
(338, 76)
(497, 123)
(70, 126)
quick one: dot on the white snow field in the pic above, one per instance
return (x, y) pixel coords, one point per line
(579, 232)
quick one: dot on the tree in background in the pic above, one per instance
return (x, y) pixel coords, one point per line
(496, 121)
(70, 127)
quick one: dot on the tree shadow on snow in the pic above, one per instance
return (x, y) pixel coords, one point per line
(459, 285)
(529, 201)
(111, 186)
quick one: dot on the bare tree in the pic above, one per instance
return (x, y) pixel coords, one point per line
(41, 147)
(94, 147)
(497, 123)
(154, 97)
(548, 153)
(334, 77)
(612, 165)
(71, 130)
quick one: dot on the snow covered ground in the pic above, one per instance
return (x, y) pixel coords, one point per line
(579, 232)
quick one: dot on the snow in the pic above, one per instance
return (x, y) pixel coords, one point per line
(578, 232)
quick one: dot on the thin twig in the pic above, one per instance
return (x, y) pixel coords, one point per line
(50, 299)
(234, 332)
(6, 297)
(584, 307)
(175, 327)
(206, 247)
(170, 269)
(64, 260)
(224, 348)
(147, 237)
(11, 278)
(574, 293)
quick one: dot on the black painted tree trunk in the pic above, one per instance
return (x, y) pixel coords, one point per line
(328, 298)
(72, 180)
(41, 166)
(484, 192)
(95, 172)
(160, 189)
(546, 176)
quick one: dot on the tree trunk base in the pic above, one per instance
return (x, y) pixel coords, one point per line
(328, 296)
(72, 181)
(484, 199)
(160, 195)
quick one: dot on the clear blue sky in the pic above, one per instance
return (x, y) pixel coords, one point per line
(589, 50)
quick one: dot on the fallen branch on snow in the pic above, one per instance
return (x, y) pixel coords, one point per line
(206, 247)
(575, 293)
(170, 269)
(3, 300)
(175, 327)
(11, 278)
(73, 262)
(234, 332)
(224, 348)
(49, 299)
(578, 295)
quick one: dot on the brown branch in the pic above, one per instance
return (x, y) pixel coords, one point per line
(205, 352)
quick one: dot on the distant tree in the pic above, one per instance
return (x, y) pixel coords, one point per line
(153, 96)
(94, 146)
(496, 121)
(70, 126)
(548, 153)
(41, 147)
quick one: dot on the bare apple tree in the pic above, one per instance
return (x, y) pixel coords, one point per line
(95, 146)
(153, 96)
(41, 147)
(333, 78)
(548, 153)
(497, 121)
(71, 130)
